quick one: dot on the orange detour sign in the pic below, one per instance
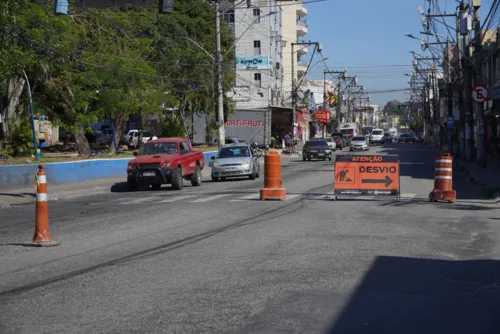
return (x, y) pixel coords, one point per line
(368, 175)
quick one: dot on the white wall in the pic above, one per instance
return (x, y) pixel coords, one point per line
(289, 36)
(268, 32)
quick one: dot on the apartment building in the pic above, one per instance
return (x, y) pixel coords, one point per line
(258, 86)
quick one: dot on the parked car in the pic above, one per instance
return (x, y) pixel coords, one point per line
(316, 149)
(359, 143)
(377, 136)
(230, 140)
(97, 138)
(235, 160)
(406, 138)
(345, 140)
(132, 137)
(165, 161)
(331, 143)
(387, 138)
(339, 143)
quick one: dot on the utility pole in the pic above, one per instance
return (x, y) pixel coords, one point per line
(467, 66)
(339, 105)
(478, 48)
(220, 79)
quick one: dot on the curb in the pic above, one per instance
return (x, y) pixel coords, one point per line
(489, 192)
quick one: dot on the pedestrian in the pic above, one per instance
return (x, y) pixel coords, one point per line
(288, 141)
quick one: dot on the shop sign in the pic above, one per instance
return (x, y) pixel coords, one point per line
(244, 123)
(253, 62)
(322, 116)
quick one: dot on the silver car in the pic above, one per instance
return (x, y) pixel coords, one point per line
(359, 143)
(235, 160)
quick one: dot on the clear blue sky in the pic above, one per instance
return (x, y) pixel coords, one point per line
(367, 36)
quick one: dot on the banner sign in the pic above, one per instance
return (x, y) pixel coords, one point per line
(253, 62)
(322, 116)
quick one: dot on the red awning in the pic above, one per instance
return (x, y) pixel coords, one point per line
(300, 118)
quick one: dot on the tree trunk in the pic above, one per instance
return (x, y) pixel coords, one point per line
(82, 144)
(141, 129)
(9, 114)
(119, 126)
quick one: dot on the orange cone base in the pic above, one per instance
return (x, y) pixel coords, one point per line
(273, 193)
(443, 195)
(42, 240)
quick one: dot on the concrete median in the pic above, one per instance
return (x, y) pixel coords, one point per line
(17, 177)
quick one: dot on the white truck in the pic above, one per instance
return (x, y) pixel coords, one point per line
(349, 129)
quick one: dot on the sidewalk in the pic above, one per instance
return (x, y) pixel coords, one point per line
(488, 179)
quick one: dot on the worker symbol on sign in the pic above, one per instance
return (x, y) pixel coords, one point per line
(346, 175)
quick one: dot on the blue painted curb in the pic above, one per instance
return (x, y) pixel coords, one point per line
(22, 176)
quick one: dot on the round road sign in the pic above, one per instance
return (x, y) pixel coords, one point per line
(479, 94)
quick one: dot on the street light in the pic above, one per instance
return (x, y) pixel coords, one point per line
(32, 114)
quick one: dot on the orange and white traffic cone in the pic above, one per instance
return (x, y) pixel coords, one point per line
(42, 235)
(443, 181)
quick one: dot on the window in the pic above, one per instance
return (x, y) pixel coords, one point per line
(256, 15)
(258, 79)
(256, 47)
(229, 16)
(184, 146)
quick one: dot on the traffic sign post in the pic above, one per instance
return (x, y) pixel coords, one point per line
(369, 175)
(479, 94)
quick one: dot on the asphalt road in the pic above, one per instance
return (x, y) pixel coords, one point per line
(215, 259)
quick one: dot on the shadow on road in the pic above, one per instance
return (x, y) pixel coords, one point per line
(21, 195)
(418, 161)
(410, 295)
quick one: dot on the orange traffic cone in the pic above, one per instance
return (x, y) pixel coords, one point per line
(273, 189)
(443, 181)
(42, 235)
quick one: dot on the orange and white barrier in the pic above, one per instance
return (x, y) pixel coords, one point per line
(273, 188)
(443, 181)
(42, 235)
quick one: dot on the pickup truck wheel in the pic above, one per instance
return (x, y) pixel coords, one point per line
(132, 185)
(196, 177)
(177, 179)
(258, 172)
(308, 158)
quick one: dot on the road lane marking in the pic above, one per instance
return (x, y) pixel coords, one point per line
(210, 198)
(138, 200)
(291, 196)
(176, 198)
(246, 198)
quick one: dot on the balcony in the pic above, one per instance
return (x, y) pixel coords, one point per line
(301, 10)
(301, 28)
(301, 69)
(302, 49)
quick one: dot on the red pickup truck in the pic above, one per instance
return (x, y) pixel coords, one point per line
(165, 161)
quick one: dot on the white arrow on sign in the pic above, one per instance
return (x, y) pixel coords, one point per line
(479, 94)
